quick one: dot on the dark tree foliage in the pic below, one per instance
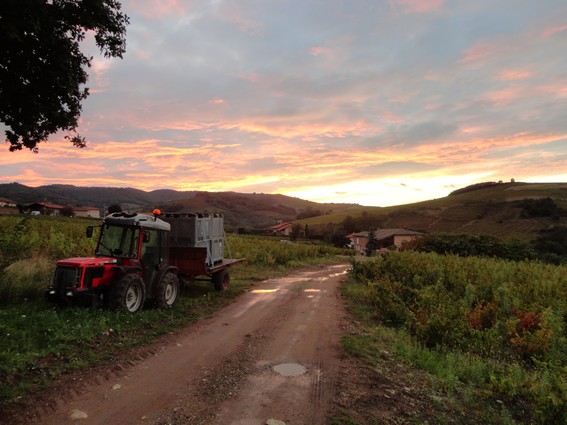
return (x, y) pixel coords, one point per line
(362, 222)
(42, 70)
(349, 225)
(339, 240)
(308, 213)
(475, 245)
(551, 244)
(67, 211)
(372, 243)
(295, 232)
(114, 208)
(544, 207)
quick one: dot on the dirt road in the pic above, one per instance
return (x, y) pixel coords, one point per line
(272, 354)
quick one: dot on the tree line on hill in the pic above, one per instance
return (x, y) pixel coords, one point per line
(549, 246)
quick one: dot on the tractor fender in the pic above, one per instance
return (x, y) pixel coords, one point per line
(159, 276)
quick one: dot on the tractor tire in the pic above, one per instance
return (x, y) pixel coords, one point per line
(167, 291)
(128, 294)
(221, 280)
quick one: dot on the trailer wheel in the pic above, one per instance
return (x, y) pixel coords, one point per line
(167, 291)
(128, 294)
(221, 280)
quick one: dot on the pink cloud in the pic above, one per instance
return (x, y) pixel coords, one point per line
(158, 8)
(557, 90)
(217, 101)
(142, 54)
(548, 32)
(319, 50)
(392, 118)
(504, 96)
(417, 6)
(511, 75)
(481, 50)
(232, 13)
(253, 77)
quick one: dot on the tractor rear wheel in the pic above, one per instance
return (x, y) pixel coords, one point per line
(128, 294)
(167, 291)
(221, 280)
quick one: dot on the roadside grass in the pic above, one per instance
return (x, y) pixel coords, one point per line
(39, 341)
(489, 374)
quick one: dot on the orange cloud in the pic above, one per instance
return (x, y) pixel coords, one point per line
(290, 130)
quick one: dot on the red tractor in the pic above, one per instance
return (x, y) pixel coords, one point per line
(138, 258)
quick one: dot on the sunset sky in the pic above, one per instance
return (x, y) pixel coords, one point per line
(377, 102)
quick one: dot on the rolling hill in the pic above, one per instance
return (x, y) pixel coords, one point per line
(247, 210)
(506, 210)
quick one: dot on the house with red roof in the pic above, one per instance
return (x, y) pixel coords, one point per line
(283, 228)
(5, 202)
(44, 208)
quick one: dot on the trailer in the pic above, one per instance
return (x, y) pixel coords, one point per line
(139, 258)
(197, 246)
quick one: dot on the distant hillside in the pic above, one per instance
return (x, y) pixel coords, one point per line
(87, 196)
(256, 211)
(507, 210)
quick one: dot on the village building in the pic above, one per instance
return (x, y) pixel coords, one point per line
(7, 206)
(387, 238)
(281, 229)
(44, 208)
(92, 212)
(8, 203)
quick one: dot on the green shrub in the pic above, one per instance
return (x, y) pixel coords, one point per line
(498, 324)
(25, 279)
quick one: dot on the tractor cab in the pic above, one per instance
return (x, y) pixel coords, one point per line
(135, 239)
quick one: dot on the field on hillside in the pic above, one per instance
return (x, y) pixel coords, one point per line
(491, 331)
(494, 210)
(38, 341)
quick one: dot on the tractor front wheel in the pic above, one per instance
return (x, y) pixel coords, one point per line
(128, 294)
(221, 280)
(167, 291)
